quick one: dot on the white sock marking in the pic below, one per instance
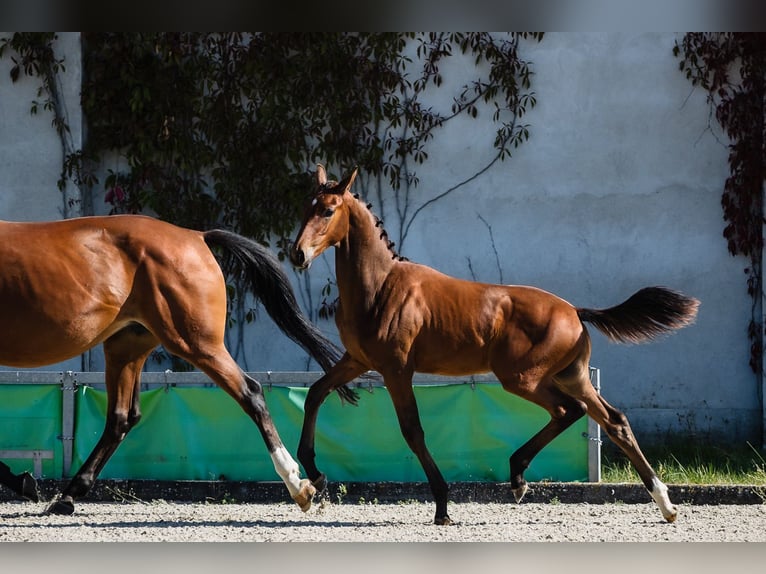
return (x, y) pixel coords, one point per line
(287, 469)
(660, 495)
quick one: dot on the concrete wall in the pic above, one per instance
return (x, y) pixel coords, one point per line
(618, 188)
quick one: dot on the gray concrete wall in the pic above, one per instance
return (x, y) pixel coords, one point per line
(619, 187)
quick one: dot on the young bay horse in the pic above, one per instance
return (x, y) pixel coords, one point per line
(132, 283)
(397, 317)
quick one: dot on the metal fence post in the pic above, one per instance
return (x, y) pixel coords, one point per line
(68, 389)
(594, 435)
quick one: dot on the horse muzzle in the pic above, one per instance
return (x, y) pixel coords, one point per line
(299, 258)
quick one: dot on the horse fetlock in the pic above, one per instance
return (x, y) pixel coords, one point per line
(320, 483)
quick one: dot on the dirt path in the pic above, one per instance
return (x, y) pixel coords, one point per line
(407, 522)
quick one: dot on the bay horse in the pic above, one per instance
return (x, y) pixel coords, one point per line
(133, 283)
(398, 317)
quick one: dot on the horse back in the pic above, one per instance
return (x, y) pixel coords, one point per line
(452, 326)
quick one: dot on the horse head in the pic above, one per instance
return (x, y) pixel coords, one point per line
(325, 220)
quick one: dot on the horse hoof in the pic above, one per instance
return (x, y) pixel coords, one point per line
(320, 483)
(29, 487)
(443, 520)
(672, 515)
(305, 495)
(62, 507)
(518, 493)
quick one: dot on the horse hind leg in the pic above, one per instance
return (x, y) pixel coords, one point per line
(23, 484)
(575, 381)
(617, 428)
(224, 371)
(125, 355)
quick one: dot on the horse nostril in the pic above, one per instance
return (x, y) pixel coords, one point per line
(297, 257)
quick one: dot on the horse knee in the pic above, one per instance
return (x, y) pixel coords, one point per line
(314, 398)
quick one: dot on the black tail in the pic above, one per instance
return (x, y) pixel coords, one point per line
(649, 313)
(260, 269)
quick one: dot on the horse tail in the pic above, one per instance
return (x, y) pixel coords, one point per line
(649, 313)
(260, 269)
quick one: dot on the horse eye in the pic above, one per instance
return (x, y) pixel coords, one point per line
(328, 212)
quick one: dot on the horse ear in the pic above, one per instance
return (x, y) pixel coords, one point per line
(347, 182)
(321, 175)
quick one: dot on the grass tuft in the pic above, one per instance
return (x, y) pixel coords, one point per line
(690, 462)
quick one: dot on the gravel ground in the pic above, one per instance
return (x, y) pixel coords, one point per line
(161, 521)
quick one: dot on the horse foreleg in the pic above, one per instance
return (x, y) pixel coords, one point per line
(344, 371)
(23, 484)
(125, 354)
(405, 405)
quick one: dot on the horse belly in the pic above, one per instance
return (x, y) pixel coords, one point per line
(36, 331)
(443, 359)
(31, 340)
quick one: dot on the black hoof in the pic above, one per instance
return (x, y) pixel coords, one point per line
(29, 487)
(63, 507)
(442, 520)
(320, 483)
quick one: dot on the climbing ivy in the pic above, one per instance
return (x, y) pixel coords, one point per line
(731, 67)
(225, 128)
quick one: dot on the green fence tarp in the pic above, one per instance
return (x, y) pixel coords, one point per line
(189, 433)
(30, 420)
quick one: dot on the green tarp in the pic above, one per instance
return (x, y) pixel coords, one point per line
(30, 420)
(202, 434)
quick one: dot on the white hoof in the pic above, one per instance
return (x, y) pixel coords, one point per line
(305, 495)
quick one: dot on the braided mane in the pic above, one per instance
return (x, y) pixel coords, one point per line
(331, 184)
(383, 233)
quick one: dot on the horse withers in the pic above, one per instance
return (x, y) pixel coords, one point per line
(398, 317)
(133, 283)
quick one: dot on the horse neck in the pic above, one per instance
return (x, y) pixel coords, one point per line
(363, 258)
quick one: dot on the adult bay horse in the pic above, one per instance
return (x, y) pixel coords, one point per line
(132, 283)
(397, 317)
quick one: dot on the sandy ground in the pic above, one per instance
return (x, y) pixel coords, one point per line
(160, 521)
